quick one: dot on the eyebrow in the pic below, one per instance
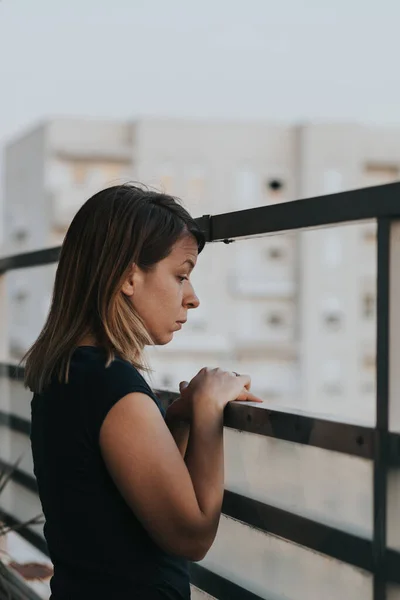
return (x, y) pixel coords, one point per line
(190, 263)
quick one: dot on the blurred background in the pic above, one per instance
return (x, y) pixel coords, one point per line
(228, 105)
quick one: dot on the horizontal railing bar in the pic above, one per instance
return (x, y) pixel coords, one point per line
(329, 435)
(36, 258)
(14, 372)
(392, 565)
(322, 538)
(24, 479)
(344, 207)
(218, 586)
(292, 424)
(15, 423)
(350, 439)
(327, 540)
(201, 577)
(28, 534)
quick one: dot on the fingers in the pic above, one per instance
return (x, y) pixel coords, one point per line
(183, 385)
(245, 381)
(246, 396)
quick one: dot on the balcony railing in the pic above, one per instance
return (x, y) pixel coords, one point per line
(271, 545)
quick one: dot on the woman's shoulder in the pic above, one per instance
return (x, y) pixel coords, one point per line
(91, 374)
(92, 361)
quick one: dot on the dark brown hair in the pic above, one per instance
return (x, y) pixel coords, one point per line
(116, 228)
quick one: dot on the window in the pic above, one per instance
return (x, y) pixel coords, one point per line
(275, 185)
(95, 172)
(368, 387)
(368, 305)
(275, 320)
(369, 235)
(333, 321)
(369, 362)
(275, 253)
(275, 188)
(332, 314)
(21, 234)
(333, 389)
(380, 174)
(20, 295)
(20, 230)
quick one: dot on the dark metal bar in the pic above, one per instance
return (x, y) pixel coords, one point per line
(338, 544)
(218, 586)
(14, 372)
(393, 449)
(15, 423)
(330, 435)
(28, 534)
(355, 205)
(355, 440)
(382, 409)
(392, 566)
(204, 223)
(36, 258)
(20, 477)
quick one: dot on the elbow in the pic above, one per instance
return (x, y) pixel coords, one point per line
(198, 551)
(199, 556)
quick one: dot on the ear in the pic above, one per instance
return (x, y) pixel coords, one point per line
(128, 286)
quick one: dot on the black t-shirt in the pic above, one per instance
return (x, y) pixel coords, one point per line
(98, 547)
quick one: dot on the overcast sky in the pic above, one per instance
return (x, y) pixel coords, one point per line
(283, 59)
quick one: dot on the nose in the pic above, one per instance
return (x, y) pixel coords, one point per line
(191, 300)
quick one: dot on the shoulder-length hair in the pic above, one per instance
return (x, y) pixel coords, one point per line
(116, 228)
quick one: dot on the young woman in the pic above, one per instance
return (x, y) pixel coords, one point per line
(129, 495)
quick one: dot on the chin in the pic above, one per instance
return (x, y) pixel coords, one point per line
(163, 340)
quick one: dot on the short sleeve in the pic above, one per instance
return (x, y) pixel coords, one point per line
(116, 381)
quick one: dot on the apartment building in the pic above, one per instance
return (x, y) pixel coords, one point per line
(296, 311)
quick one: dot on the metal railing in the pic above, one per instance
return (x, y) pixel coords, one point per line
(377, 444)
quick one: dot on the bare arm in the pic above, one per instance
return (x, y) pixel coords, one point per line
(149, 471)
(178, 501)
(180, 431)
(205, 462)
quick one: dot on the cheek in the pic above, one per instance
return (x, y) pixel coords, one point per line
(164, 297)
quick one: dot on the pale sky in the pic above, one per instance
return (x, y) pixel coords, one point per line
(286, 60)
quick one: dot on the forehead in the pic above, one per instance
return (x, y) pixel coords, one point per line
(183, 248)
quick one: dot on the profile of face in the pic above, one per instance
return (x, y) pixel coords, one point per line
(163, 295)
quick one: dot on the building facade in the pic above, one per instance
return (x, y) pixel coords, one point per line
(296, 310)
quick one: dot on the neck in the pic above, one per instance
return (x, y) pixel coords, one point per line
(87, 340)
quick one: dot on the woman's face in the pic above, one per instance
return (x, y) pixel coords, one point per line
(163, 295)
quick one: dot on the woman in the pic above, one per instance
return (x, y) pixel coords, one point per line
(128, 495)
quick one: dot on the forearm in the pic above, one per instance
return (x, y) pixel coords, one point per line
(180, 432)
(205, 462)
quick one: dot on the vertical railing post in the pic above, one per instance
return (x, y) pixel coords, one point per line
(382, 407)
(4, 319)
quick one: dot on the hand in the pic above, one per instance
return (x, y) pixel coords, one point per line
(181, 408)
(217, 387)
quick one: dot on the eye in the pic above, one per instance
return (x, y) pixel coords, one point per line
(183, 278)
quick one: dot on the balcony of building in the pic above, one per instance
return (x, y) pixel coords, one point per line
(312, 496)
